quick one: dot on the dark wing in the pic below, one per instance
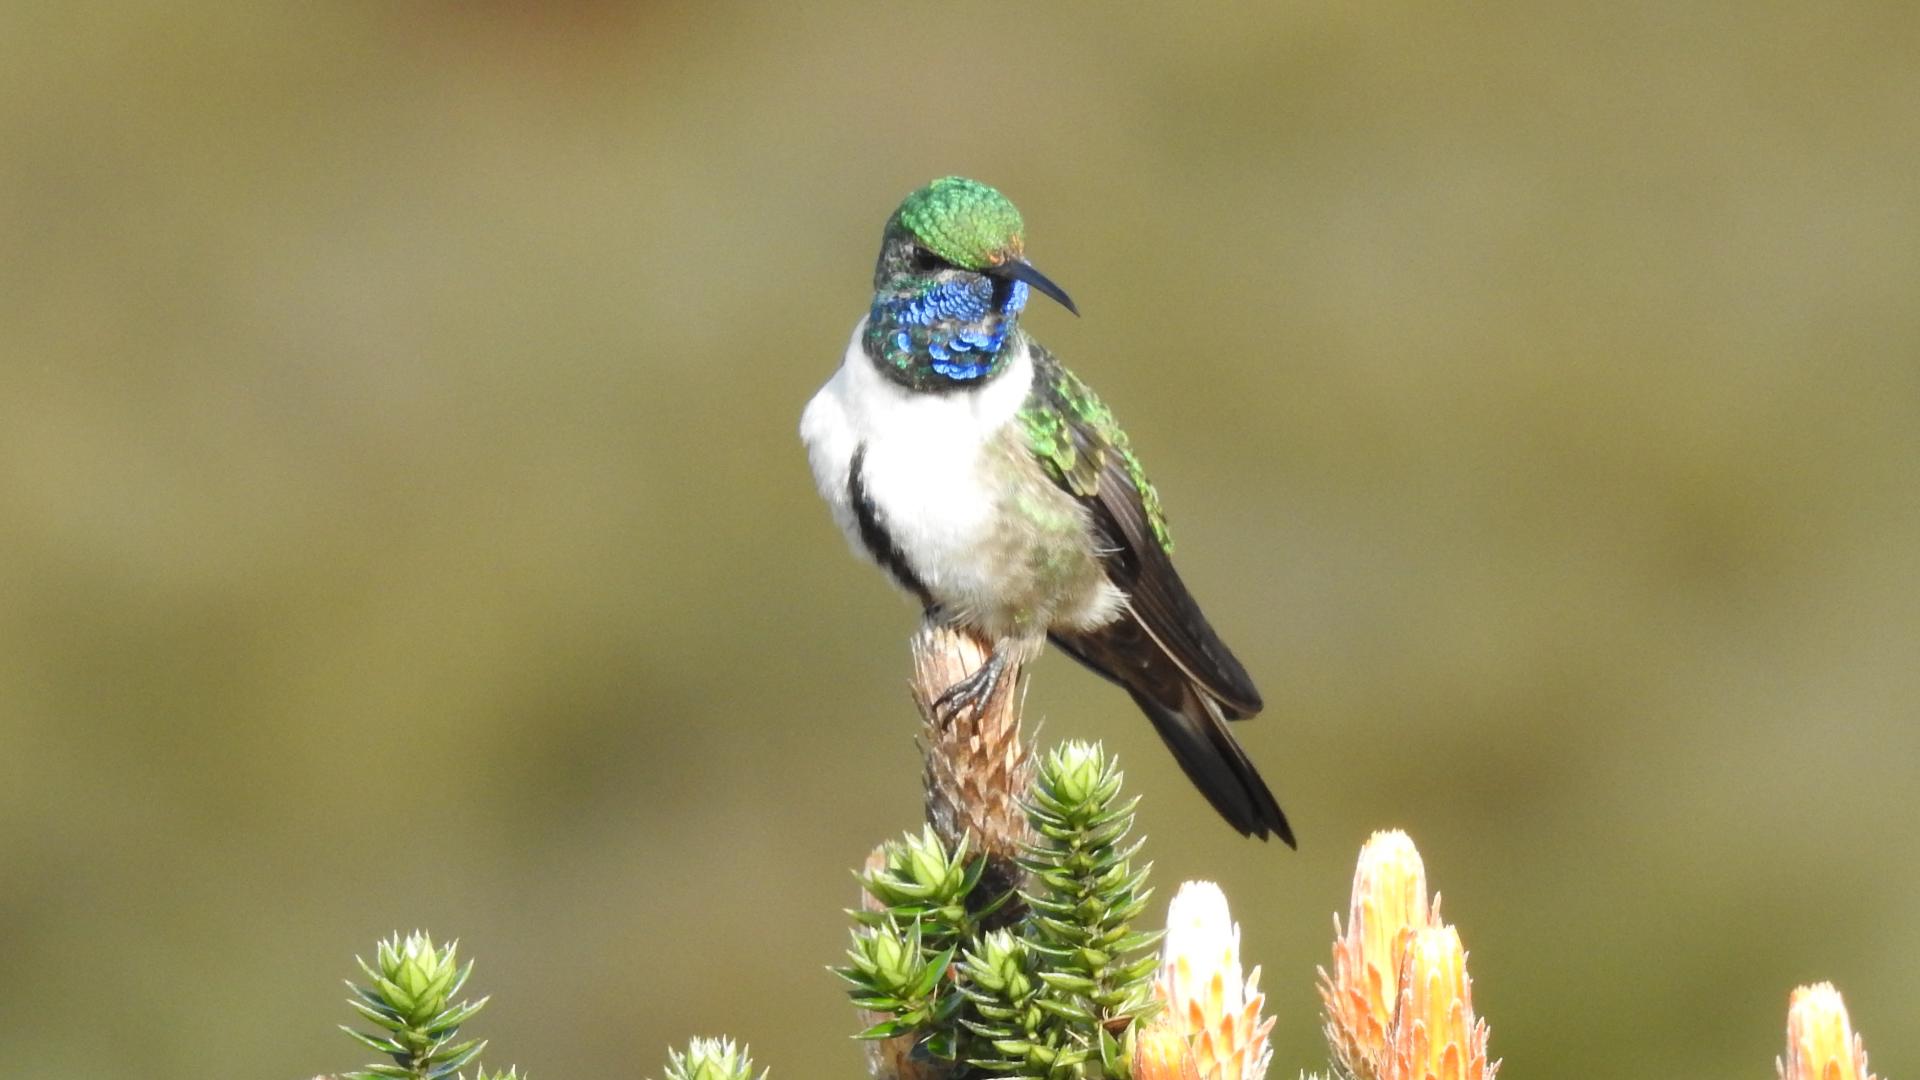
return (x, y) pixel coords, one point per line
(1160, 600)
(1085, 451)
(1188, 721)
(1162, 649)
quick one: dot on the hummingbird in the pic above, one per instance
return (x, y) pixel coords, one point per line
(993, 485)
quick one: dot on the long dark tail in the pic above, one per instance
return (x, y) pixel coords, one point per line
(1191, 722)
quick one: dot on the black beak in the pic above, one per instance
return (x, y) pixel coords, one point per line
(1022, 270)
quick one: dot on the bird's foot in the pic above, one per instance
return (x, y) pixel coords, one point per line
(972, 693)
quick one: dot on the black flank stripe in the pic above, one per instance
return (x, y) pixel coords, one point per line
(874, 535)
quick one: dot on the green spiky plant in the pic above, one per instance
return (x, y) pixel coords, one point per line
(1052, 994)
(711, 1059)
(410, 995)
(1055, 994)
(999, 940)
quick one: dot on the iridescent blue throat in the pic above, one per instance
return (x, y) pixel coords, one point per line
(949, 335)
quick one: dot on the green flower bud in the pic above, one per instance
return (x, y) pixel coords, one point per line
(413, 976)
(411, 984)
(711, 1059)
(887, 958)
(424, 973)
(1001, 966)
(1072, 773)
(921, 875)
(928, 863)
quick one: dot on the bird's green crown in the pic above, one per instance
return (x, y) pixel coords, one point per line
(966, 222)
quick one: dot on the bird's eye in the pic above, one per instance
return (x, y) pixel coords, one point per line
(926, 262)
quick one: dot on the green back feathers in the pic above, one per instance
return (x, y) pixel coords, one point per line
(965, 222)
(1075, 436)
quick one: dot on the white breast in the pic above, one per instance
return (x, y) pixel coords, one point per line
(922, 467)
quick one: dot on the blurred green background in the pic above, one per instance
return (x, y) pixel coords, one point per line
(403, 523)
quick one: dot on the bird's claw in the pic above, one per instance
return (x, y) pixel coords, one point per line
(972, 693)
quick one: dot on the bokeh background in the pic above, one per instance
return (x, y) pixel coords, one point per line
(402, 520)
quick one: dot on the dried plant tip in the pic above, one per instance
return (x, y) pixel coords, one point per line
(1435, 1035)
(978, 770)
(1821, 1044)
(1363, 989)
(1202, 987)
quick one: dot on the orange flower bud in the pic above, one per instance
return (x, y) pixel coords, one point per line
(1435, 1035)
(1161, 1051)
(1363, 990)
(1821, 1044)
(1201, 985)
